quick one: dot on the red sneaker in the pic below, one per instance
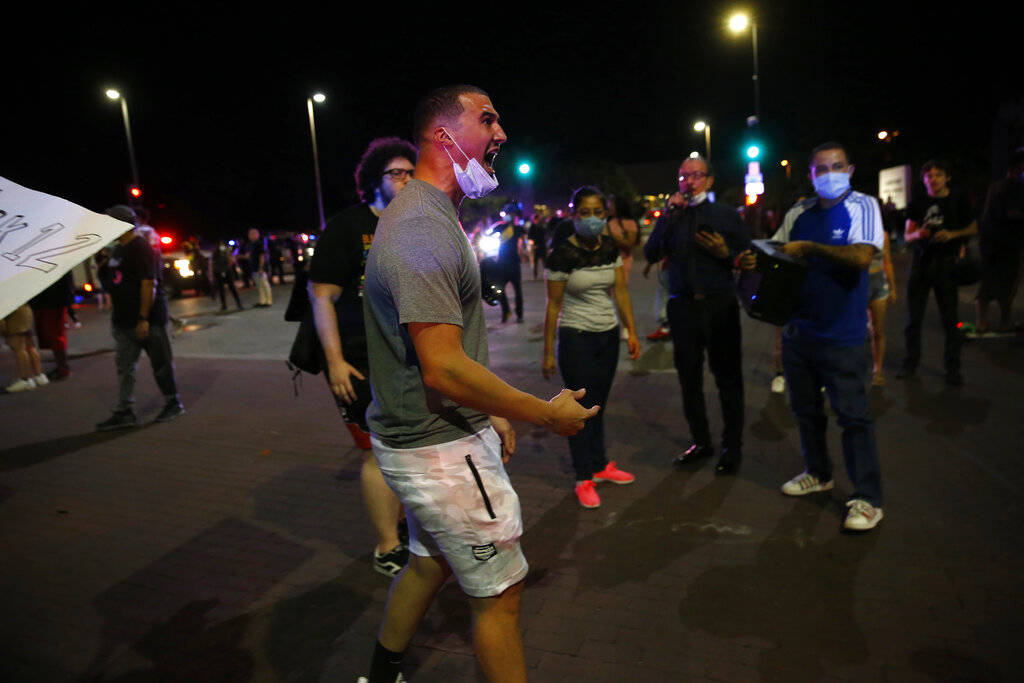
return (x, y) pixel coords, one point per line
(659, 334)
(614, 474)
(587, 494)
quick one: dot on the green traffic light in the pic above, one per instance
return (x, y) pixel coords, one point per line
(753, 151)
(524, 168)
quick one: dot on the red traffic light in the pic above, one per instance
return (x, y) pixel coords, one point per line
(135, 192)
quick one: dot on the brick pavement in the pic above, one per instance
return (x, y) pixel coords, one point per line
(230, 545)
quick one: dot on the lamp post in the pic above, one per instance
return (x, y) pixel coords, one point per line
(115, 95)
(319, 98)
(706, 127)
(737, 24)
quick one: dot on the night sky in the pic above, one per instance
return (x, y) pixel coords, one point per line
(217, 97)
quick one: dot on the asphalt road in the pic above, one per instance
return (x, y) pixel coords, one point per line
(231, 545)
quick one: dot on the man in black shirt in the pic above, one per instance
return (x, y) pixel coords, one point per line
(259, 259)
(938, 226)
(138, 323)
(512, 233)
(336, 293)
(702, 240)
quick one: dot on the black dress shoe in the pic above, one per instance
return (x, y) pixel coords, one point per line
(692, 454)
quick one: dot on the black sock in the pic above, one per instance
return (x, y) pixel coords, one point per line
(386, 665)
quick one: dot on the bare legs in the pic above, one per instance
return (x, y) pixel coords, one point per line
(26, 355)
(496, 637)
(381, 503)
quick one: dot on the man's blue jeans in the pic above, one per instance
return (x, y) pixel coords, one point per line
(810, 365)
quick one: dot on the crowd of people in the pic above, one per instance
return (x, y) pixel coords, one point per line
(395, 292)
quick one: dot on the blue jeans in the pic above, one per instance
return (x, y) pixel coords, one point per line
(843, 372)
(126, 358)
(588, 360)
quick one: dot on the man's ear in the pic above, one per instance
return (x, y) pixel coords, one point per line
(852, 167)
(442, 137)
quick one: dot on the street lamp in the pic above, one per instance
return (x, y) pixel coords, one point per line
(737, 24)
(319, 98)
(113, 94)
(706, 127)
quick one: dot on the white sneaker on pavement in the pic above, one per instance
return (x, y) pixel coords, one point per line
(862, 515)
(41, 379)
(805, 483)
(21, 385)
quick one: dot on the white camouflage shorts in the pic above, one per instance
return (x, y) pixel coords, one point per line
(459, 503)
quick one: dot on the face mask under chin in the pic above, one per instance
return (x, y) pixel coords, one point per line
(473, 180)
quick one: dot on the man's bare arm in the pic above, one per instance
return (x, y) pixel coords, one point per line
(850, 255)
(447, 369)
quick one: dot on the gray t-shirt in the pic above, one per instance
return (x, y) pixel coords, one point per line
(420, 269)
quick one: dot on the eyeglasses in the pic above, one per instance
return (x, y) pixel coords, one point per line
(399, 173)
(696, 175)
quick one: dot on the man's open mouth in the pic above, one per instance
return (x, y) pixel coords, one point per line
(489, 159)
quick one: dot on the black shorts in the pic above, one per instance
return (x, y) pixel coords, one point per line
(354, 349)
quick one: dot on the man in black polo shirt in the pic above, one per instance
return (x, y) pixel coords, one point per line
(336, 293)
(702, 239)
(138, 322)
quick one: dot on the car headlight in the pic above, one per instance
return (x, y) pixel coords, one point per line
(184, 267)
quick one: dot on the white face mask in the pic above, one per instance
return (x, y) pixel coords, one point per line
(474, 180)
(832, 185)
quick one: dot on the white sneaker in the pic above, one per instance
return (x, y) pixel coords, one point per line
(862, 515)
(21, 385)
(779, 384)
(41, 379)
(805, 483)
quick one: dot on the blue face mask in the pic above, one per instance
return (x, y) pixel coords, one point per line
(832, 185)
(591, 226)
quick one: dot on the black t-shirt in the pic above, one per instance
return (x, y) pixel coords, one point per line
(130, 264)
(952, 212)
(340, 259)
(255, 250)
(508, 252)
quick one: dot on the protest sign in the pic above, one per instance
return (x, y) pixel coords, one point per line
(41, 238)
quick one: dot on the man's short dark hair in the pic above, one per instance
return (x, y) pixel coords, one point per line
(831, 144)
(934, 163)
(370, 171)
(441, 103)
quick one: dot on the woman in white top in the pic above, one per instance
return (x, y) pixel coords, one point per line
(585, 286)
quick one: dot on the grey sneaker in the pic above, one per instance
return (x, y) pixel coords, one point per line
(172, 410)
(805, 483)
(121, 419)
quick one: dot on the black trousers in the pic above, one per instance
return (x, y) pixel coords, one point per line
(588, 360)
(511, 274)
(222, 280)
(935, 275)
(710, 325)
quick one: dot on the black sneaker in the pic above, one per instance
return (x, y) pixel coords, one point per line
(172, 410)
(391, 562)
(121, 419)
